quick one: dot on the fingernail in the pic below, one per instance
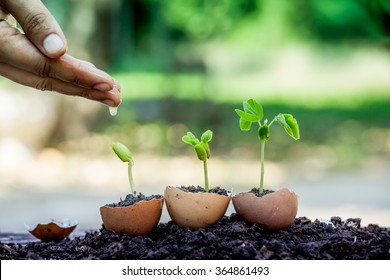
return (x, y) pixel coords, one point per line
(102, 87)
(53, 44)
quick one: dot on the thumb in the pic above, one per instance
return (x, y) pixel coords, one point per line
(39, 26)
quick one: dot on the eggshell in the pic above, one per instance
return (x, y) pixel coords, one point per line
(54, 230)
(140, 218)
(195, 210)
(274, 211)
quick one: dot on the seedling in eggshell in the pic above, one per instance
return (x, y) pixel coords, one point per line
(253, 113)
(126, 156)
(202, 150)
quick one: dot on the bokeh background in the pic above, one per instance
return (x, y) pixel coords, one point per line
(186, 65)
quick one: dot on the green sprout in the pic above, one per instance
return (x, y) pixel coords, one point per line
(253, 113)
(126, 156)
(202, 150)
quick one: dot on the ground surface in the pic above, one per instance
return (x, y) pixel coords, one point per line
(231, 238)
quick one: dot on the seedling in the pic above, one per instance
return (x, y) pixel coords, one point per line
(126, 156)
(202, 150)
(253, 113)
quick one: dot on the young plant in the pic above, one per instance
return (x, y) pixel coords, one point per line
(253, 113)
(202, 150)
(126, 156)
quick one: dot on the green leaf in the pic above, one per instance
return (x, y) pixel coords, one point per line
(200, 151)
(247, 116)
(245, 125)
(264, 133)
(207, 136)
(252, 107)
(122, 151)
(190, 139)
(289, 124)
(293, 125)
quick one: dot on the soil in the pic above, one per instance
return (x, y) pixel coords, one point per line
(256, 191)
(231, 238)
(131, 199)
(193, 189)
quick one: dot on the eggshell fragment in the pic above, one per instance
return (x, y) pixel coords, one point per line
(138, 219)
(53, 231)
(274, 211)
(195, 210)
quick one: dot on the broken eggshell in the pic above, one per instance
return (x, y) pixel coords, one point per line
(195, 210)
(53, 231)
(274, 211)
(137, 219)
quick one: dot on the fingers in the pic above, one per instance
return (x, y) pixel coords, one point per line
(18, 51)
(39, 25)
(21, 62)
(111, 97)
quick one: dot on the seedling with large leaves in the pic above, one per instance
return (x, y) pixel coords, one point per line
(253, 113)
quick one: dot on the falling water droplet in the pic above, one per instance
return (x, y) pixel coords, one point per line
(113, 111)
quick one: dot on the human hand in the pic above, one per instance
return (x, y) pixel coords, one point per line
(36, 57)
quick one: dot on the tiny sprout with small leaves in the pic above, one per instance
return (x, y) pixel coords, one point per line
(253, 113)
(126, 156)
(202, 150)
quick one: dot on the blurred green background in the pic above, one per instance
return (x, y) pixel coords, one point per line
(186, 65)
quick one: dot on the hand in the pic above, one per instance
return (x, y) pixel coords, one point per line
(36, 57)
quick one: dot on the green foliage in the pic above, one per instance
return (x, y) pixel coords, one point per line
(289, 124)
(202, 150)
(253, 113)
(201, 147)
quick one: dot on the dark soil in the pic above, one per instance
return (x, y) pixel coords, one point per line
(256, 191)
(197, 189)
(231, 238)
(132, 199)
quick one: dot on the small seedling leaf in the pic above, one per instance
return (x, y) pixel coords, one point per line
(201, 151)
(190, 139)
(248, 116)
(253, 107)
(293, 125)
(207, 136)
(289, 124)
(245, 125)
(122, 151)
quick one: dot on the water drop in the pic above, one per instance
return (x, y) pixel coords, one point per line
(113, 110)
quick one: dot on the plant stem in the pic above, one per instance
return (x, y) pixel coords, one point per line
(206, 177)
(262, 148)
(130, 175)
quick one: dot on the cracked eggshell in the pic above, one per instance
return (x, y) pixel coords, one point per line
(274, 211)
(138, 219)
(53, 231)
(195, 210)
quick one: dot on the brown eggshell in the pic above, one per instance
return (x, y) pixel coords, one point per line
(53, 231)
(195, 210)
(140, 218)
(274, 211)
